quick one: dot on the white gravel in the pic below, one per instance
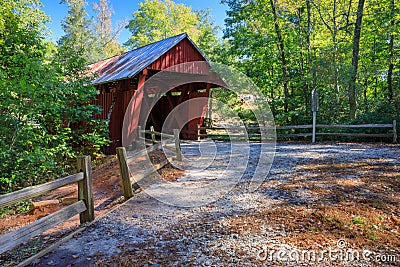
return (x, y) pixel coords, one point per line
(197, 236)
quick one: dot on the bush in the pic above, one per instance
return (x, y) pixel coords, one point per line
(42, 96)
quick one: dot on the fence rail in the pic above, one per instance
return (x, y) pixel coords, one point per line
(152, 132)
(202, 131)
(147, 150)
(84, 207)
(127, 179)
(35, 191)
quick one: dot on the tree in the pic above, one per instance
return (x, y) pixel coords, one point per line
(354, 63)
(21, 76)
(391, 52)
(262, 35)
(378, 62)
(281, 47)
(334, 15)
(103, 33)
(42, 96)
(325, 48)
(207, 40)
(78, 34)
(93, 39)
(157, 19)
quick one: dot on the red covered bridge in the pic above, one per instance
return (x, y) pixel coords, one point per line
(122, 79)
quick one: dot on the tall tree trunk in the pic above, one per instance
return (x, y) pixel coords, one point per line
(303, 60)
(312, 71)
(310, 55)
(391, 46)
(281, 47)
(365, 86)
(375, 69)
(334, 32)
(333, 29)
(354, 62)
(271, 73)
(390, 70)
(308, 39)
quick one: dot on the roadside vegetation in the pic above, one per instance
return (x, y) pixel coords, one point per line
(345, 50)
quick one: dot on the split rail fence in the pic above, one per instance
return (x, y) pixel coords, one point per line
(254, 132)
(84, 207)
(85, 204)
(157, 141)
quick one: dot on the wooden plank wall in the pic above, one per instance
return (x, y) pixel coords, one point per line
(162, 109)
(117, 117)
(181, 53)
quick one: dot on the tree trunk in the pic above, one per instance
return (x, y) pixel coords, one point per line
(311, 75)
(333, 29)
(375, 69)
(303, 60)
(365, 86)
(281, 47)
(308, 4)
(390, 70)
(391, 46)
(335, 55)
(354, 62)
(272, 96)
(114, 101)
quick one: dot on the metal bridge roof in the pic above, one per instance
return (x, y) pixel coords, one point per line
(129, 64)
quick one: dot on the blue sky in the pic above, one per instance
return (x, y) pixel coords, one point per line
(124, 9)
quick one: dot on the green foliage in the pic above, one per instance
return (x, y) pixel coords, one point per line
(93, 40)
(78, 35)
(17, 208)
(105, 37)
(156, 20)
(45, 113)
(318, 42)
(159, 19)
(358, 221)
(44, 108)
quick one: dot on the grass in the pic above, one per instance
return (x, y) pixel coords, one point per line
(358, 221)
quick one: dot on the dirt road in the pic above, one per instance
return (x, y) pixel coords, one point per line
(316, 198)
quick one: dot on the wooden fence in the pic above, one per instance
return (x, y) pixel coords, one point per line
(85, 204)
(255, 131)
(84, 207)
(127, 179)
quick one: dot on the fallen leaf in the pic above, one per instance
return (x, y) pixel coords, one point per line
(394, 220)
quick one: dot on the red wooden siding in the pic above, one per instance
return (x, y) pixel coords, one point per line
(183, 52)
(115, 125)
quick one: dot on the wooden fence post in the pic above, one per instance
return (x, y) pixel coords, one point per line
(314, 126)
(140, 144)
(139, 130)
(394, 131)
(85, 189)
(198, 132)
(153, 136)
(124, 171)
(177, 145)
(314, 109)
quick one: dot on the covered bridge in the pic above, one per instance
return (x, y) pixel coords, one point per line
(122, 78)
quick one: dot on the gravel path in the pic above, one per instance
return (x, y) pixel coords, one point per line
(147, 232)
